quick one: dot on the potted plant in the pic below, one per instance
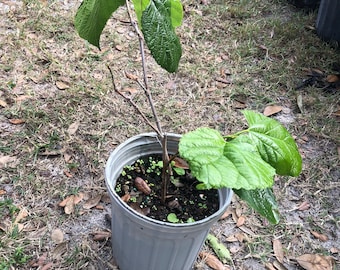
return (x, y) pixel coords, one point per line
(244, 162)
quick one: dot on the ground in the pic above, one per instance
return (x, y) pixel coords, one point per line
(60, 119)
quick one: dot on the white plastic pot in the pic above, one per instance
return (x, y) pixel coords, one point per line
(142, 243)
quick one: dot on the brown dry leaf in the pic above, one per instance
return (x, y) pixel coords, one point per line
(21, 215)
(48, 265)
(320, 236)
(67, 157)
(69, 207)
(212, 261)
(332, 78)
(240, 221)
(270, 110)
(126, 197)
(22, 98)
(101, 235)
(226, 214)
(315, 262)
(92, 202)
(131, 90)
(62, 85)
(3, 103)
(239, 105)
(68, 174)
(119, 47)
(6, 160)
(2, 192)
(180, 163)
(131, 76)
(336, 113)
(278, 250)
(304, 206)
(79, 197)
(57, 236)
(16, 121)
(334, 250)
(72, 129)
(59, 250)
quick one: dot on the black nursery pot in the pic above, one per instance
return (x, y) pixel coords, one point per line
(328, 20)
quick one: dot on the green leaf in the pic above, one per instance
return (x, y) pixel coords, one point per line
(217, 163)
(176, 12)
(159, 34)
(92, 16)
(140, 6)
(262, 201)
(172, 218)
(274, 143)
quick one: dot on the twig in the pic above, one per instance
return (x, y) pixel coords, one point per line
(134, 105)
(145, 77)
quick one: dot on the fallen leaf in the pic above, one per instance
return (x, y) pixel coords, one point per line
(278, 250)
(270, 110)
(304, 206)
(2, 192)
(334, 250)
(101, 235)
(119, 47)
(57, 236)
(69, 207)
(332, 78)
(59, 250)
(211, 260)
(22, 98)
(131, 90)
(224, 81)
(6, 161)
(319, 236)
(300, 103)
(126, 197)
(72, 129)
(226, 214)
(68, 174)
(180, 163)
(16, 121)
(21, 215)
(3, 103)
(47, 266)
(131, 76)
(62, 85)
(315, 262)
(240, 221)
(92, 202)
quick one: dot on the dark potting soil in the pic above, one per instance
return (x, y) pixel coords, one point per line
(183, 199)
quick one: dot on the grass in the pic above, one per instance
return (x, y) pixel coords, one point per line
(262, 48)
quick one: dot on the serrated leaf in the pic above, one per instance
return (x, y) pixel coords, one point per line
(262, 201)
(92, 16)
(274, 143)
(159, 34)
(217, 163)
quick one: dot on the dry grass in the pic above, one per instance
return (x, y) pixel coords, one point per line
(260, 47)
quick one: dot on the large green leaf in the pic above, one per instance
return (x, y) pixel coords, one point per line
(217, 163)
(262, 201)
(274, 143)
(92, 16)
(159, 34)
(175, 7)
(140, 6)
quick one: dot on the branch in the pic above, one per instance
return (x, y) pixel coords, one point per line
(133, 104)
(145, 87)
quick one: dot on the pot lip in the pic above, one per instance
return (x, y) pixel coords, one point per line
(114, 195)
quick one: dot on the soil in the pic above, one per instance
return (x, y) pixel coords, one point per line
(140, 186)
